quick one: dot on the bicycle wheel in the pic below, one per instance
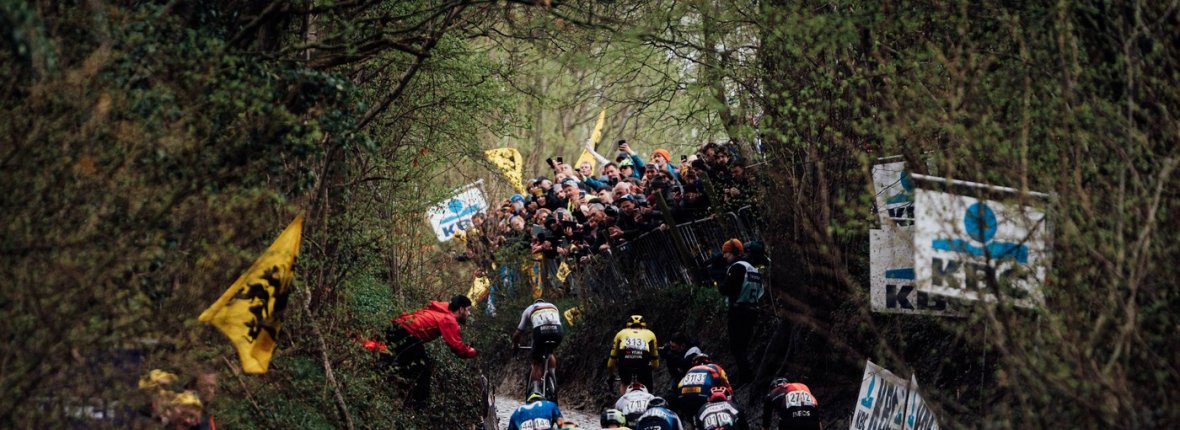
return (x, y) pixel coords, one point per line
(551, 385)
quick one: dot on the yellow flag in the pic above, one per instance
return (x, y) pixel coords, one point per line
(510, 163)
(572, 314)
(595, 137)
(479, 289)
(250, 311)
(563, 271)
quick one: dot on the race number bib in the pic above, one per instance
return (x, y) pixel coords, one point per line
(693, 379)
(547, 316)
(718, 420)
(799, 398)
(634, 344)
(536, 424)
(635, 406)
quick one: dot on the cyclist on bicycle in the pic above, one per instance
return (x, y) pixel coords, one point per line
(720, 413)
(545, 321)
(797, 408)
(613, 419)
(696, 386)
(636, 352)
(536, 413)
(634, 402)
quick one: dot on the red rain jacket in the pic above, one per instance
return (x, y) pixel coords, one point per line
(432, 321)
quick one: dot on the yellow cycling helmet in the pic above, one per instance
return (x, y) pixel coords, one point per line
(636, 321)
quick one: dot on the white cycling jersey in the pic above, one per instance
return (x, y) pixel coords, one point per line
(539, 314)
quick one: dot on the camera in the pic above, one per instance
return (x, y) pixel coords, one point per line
(683, 158)
(549, 161)
(621, 142)
(559, 160)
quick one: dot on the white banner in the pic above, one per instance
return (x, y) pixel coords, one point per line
(881, 402)
(918, 415)
(454, 214)
(891, 276)
(960, 240)
(894, 191)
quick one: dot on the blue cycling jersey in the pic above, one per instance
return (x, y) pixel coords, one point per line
(658, 418)
(538, 415)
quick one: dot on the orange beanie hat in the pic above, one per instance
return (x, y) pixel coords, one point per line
(733, 246)
(662, 152)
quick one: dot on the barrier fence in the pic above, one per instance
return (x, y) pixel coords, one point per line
(662, 258)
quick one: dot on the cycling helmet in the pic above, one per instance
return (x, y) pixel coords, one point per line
(718, 394)
(567, 424)
(636, 321)
(612, 416)
(657, 402)
(778, 382)
(700, 359)
(635, 386)
(534, 396)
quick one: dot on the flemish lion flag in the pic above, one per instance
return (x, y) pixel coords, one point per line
(510, 163)
(595, 137)
(250, 311)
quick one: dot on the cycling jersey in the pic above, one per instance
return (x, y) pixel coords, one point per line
(701, 379)
(538, 415)
(634, 346)
(633, 404)
(797, 408)
(658, 418)
(545, 320)
(695, 386)
(720, 416)
(539, 314)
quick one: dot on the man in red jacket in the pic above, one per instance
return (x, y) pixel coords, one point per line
(409, 333)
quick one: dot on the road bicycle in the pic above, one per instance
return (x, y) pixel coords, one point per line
(549, 378)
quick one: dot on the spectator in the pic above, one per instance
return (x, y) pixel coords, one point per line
(742, 289)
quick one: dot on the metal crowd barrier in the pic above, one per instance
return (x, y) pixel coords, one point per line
(656, 260)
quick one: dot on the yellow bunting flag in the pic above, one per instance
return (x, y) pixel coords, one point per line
(595, 137)
(510, 163)
(250, 311)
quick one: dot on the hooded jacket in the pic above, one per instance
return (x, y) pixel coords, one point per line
(432, 321)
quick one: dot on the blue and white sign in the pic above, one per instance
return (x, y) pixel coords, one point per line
(891, 277)
(882, 400)
(894, 191)
(962, 244)
(454, 214)
(918, 415)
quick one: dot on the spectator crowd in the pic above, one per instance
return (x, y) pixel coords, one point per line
(572, 214)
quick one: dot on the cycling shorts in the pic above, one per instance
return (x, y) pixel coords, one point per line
(545, 340)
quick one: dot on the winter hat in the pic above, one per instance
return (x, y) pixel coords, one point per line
(732, 246)
(663, 153)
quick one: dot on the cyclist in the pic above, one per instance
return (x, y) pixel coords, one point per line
(658, 417)
(636, 352)
(797, 408)
(634, 402)
(698, 383)
(720, 413)
(613, 419)
(545, 321)
(537, 413)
